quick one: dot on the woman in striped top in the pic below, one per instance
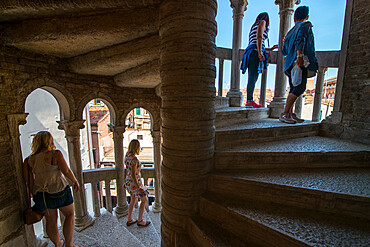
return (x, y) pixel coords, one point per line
(254, 53)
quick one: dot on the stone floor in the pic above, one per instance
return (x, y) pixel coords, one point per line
(108, 231)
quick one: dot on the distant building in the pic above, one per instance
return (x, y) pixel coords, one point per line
(102, 137)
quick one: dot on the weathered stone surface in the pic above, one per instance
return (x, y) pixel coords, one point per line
(144, 76)
(78, 34)
(355, 97)
(187, 67)
(18, 9)
(115, 59)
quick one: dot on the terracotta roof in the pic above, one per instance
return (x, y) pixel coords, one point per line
(97, 113)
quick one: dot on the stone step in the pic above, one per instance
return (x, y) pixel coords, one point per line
(231, 116)
(275, 225)
(109, 231)
(148, 235)
(262, 131)
(208, 234)
(308, 152)
(340, 191)
(156, 220)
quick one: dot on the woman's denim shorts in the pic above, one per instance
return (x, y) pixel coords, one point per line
(53, 201)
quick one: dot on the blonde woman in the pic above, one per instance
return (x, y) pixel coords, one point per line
(49, 187)
(134, 185)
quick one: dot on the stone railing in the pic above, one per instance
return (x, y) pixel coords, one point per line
(95, 176)
(326, 59)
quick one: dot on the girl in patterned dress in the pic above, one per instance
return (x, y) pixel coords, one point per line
(134, 185)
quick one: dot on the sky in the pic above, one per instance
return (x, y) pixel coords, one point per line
(327, 17)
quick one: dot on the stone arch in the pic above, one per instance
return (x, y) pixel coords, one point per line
(154, 115)
(63, 97)
(100, 96)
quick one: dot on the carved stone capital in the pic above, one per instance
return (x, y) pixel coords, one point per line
(280, 2)
(238, 6)
(286, 6)
(156, 134)
(118, 130)
(71, 128)
(14, 120)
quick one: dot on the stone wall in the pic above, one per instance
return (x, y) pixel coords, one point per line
(20, 74)
(355, 101)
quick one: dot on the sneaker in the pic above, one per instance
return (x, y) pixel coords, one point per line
(285, 118)
(253, 104)
(299, 120)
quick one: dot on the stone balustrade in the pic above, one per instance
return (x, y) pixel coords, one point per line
(326, 59)
(94, 176)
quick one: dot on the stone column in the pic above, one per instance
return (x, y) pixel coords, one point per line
(220, 76)
(156, 134)
(318, 94)
(286, 9)
(336, 115)
(72, 130)
(187, 57)
(122, 207)
(235, 96)
(14, 120)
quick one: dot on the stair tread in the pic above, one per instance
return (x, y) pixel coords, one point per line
(148, 235)
(301, 145)
(216, 235)
(354, 182)
(313, 228)
(108, 231)
(239, 109)
(263, 123)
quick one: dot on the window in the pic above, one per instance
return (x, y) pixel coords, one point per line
(137, 111)
(139, 137)
(139, 126)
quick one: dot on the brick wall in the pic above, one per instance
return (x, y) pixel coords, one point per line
(355, 104)
(20, 74)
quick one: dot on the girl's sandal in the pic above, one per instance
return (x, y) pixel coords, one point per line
(129, 223)
(146, 223)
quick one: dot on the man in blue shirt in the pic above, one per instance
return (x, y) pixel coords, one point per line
(298, 42)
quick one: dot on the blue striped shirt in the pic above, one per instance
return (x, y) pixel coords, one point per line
(253, 35)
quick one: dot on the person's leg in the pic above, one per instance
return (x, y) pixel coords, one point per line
(285, 116)
(69, 224)
(252, 74)
(289, 103)
(144, 200)
(51, 216)
(131, 207)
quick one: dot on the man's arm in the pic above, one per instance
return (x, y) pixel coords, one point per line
(300, 42)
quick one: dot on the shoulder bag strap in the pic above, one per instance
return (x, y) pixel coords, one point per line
(29, 182)
(52, 157)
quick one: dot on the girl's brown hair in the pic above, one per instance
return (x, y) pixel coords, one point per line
(134, 147)
(42, 141)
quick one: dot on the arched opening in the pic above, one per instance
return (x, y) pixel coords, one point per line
(45, 107)
(99, 118)
(138, 124)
